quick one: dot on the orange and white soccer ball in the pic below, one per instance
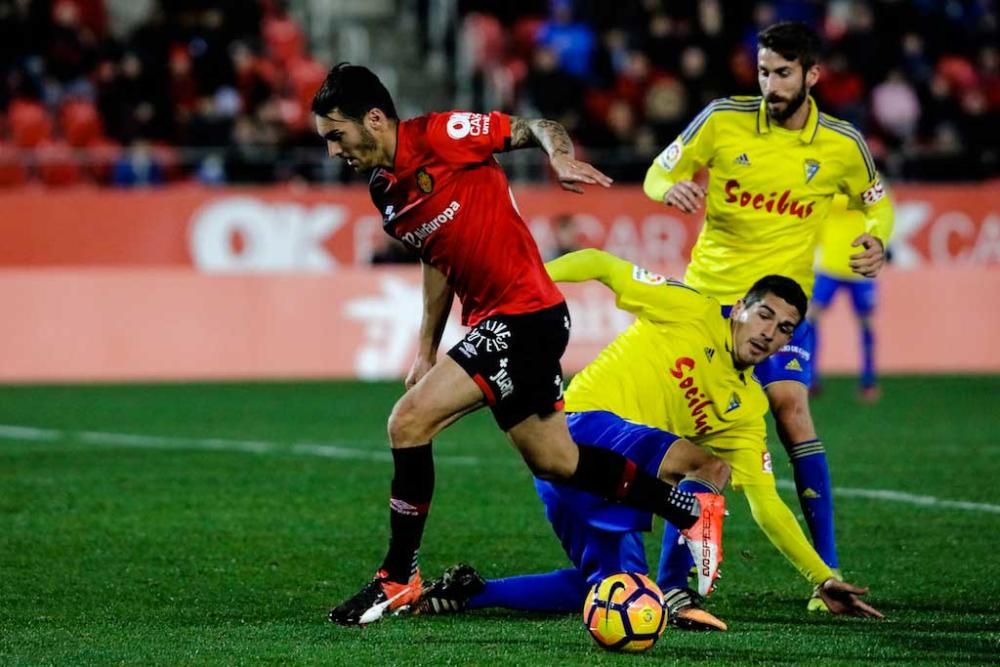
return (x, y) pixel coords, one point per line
(625, 612)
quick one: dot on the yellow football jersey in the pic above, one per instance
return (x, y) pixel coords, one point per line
(768, 191)
(838, 231)
(672, 368)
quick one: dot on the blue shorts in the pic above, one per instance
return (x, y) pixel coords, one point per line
(863, 293)
(601, 537)
(792, 362)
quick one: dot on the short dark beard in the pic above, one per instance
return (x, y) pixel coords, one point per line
(790, 108)
(368, 145)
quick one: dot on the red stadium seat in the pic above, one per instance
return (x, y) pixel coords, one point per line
(523, 37)
(284, 39)
(99, 157)
(81, 124)
(169, 159)
(57, 164)
(305, 77)
(12, 169)
(484, 39)
(29, 123)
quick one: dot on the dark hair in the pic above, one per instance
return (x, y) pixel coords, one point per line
(781, 287)
(354, 91)
(792, 41)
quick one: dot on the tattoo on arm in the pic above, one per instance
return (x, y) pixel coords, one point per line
(548, 134)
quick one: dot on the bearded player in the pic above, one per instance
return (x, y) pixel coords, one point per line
(440, 190)
(775, 163)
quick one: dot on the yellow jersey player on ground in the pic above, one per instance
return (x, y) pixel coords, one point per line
(833, 274)
(675, 394)
(775, 163)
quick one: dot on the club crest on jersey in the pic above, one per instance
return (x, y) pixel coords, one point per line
(812, 166)
(424, 181)
(734, 402)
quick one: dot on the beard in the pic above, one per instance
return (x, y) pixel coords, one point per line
(791, 106)
(366, 151)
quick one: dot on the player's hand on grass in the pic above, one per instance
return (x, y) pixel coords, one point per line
(688, 196)
(869, 261)
(421, 366)
(571, 172)
(842, 598)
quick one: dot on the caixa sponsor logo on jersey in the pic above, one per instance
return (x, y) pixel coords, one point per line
(463, 124)
(771, 202)
(417, 237)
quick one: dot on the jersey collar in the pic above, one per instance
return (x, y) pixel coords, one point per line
(806, 135)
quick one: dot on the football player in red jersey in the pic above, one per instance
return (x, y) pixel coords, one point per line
(441, 191)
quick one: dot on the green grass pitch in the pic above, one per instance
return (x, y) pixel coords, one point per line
(217, 523)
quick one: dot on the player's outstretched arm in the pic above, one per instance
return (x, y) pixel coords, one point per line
(842, 597)
(438, 296)
(586, 264)
(554, 140)
(636, 290)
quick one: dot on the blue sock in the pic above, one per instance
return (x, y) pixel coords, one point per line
(816, 381)
(812, 482)
(675, 559)
(558, 591)
(868, 357)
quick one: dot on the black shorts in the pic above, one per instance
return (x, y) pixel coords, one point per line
(515, 361)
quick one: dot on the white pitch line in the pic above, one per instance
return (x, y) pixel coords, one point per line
(340, 452)
(166, 442)
(29, 433)
(326, 450)
(902, 497)
(140, 441)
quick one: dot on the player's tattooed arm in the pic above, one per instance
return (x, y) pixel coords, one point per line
(548, 134)
(554, 140)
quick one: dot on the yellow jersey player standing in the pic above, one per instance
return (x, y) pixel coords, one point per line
(833, 274)
(775, 163)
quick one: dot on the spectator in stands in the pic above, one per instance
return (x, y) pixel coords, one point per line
(149, 66)
(896, 109)
(665, 110)
(137, 167)
(550, 91)
(572, 41)
(70, 48)
(566, 235)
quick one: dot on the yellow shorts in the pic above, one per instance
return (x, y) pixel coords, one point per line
(750, 466)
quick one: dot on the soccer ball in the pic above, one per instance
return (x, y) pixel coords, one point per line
(625, 612)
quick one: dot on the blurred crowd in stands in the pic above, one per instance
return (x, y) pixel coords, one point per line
(921, 78)
(146, 91)
(216, 90)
